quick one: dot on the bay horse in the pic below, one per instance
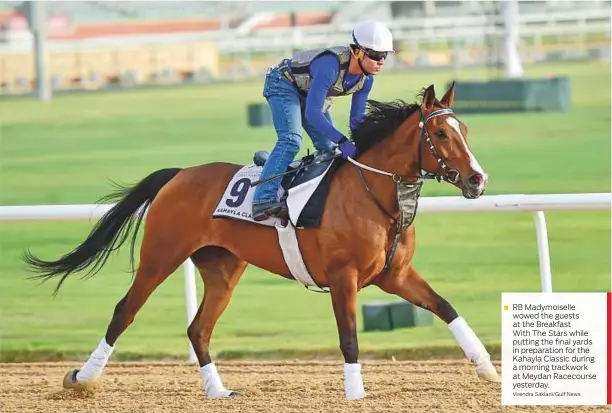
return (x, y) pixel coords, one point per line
(397, 142)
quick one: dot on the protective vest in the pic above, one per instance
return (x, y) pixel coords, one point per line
(300, 68)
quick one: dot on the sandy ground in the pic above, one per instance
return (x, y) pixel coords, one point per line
(278, 387)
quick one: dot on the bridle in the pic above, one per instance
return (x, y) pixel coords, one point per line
(409, 192)
(454, 178)
(449, 174)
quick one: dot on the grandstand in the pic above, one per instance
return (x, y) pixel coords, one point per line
(542, 136)
(170, 42)
(103, 11)
(87, 12)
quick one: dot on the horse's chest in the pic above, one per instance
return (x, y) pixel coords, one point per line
(384, 252)
(372, 254)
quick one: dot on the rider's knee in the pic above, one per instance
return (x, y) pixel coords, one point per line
(292, 142)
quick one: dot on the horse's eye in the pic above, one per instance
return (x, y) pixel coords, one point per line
(440, 134)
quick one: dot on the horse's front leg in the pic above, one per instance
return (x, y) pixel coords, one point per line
(408, 284)
(344, 299)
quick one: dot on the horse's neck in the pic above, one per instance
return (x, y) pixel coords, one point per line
(398, 154)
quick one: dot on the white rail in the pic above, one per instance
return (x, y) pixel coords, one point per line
(536, 204)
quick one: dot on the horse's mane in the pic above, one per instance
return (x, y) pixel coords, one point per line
(381, 120)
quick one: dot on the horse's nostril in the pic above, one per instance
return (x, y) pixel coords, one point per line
(475, 179)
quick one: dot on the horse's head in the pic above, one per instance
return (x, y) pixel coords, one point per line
(444, 150)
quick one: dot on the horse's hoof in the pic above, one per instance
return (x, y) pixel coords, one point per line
(358, 396)
(70, 382)
(487, 371)
(225, 394)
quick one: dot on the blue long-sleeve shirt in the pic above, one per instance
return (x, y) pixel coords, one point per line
(324, 72)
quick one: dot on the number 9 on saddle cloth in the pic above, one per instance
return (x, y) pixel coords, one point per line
(304, 187)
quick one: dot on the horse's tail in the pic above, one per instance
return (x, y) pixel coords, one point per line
(109, 233)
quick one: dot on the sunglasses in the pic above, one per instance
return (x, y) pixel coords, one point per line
(374, 55)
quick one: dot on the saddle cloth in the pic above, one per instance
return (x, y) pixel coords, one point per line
(305, 192)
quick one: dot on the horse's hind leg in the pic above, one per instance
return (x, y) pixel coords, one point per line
(221, 270)
(408, 284)
(154, 268)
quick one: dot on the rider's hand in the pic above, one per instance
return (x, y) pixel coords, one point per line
(347, 148)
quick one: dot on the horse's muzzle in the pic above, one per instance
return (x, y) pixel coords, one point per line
(474, 185)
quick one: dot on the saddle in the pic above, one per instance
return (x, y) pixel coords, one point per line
(304, 189)
(307, 167)
(260, 158)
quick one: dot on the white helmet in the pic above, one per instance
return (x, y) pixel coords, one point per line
(373, 35)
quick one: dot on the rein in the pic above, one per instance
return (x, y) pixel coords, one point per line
(408, 193)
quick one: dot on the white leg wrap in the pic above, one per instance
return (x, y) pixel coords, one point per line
(474, 350)
(213, 387)
(353, 382)
(469, 342)
(93, 368)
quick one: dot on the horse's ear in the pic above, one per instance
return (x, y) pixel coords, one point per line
(429, 97)
(449, 97)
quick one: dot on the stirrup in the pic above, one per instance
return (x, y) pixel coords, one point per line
(276, 209)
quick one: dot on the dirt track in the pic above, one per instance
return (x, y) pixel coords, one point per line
(278, 387)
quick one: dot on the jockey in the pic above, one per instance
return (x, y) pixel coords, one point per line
(300, 92)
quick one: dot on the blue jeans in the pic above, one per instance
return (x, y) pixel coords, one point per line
(287, 106)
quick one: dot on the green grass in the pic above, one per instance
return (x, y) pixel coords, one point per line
(66, 151)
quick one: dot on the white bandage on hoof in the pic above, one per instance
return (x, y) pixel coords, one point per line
(353, 382)
(212, 383)
(93, 368)
(474, 350)
(487, 371)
